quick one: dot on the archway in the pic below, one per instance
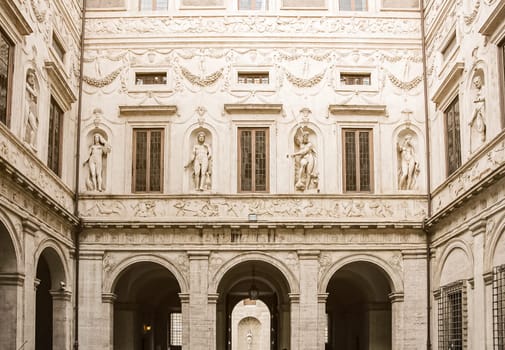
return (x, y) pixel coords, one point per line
(8, 290)
(358, 308)
(147, 310)
(254, 283)
(52, 303)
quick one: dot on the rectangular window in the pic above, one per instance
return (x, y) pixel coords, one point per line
(55, 139)
(176, 329)
(355, 78)
(58, 48)
(150, 78)
(147, 160)
(499, 307)
(253, 159)
(252, 4)
(353, 5)
(453, 137)
(6, 51)
(452, 316)
(253, 78)
(358, 160)
(153, 5)
(502, 69)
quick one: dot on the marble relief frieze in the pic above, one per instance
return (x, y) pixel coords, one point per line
(228, 208)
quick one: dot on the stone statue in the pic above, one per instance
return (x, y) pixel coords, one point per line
(249, 339)
(306, 175)
(97, 151)
(409, 167)
(478, 123)
(31, 114)
(201, 159)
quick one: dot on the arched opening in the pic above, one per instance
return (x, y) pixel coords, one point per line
(147, 311)
(250, 325)
(52, 303)
(8, 290)
(255, 283)
(358, 308)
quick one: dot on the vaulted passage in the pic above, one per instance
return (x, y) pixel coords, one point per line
(358, 308)
(147, 311)
(8, 291)
(253, 308)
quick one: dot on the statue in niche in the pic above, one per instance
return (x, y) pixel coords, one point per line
(477, 123)
(97, 152)
(306, 175)
(249, 339)
(409, 167)
(31, 114)
(201, 159)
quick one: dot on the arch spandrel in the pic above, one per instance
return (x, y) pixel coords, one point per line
(393, 277)
(111, 278)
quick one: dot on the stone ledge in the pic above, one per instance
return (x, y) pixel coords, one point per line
(249, 108)
(149, 110)
(375, 110)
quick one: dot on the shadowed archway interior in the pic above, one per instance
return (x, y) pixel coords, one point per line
(147, 310)
(8, 290)
(358, 308)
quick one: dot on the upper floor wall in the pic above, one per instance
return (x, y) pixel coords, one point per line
(465, 55)
(40, 51)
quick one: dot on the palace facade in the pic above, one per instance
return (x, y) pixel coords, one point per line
(252, 174)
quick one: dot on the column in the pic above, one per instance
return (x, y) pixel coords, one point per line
(91, 322)
(396, 320)
(294, 299)
(30, 288)
(308, 326)
(108, 302)
(478, 317)
(488, 297)
(323, 320)
(10, 285)
(62, 316)
(212, 314)
(198, 300)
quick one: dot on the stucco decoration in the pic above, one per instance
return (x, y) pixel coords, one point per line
(305, 156)
(97, 162)
(31, 110)
(478, 122)
(408, 164)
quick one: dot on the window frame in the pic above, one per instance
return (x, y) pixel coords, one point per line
(453, 102)
(50, 145)
(239, 159)
(501, 79)
(148, 158)
(446, 314)
(253, 9)
(154, 6)
(498, 307)
(358, 151)
(353, 6)
(10, 71)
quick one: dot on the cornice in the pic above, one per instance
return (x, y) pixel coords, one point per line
(256, 108)
(448, 84)
(59, 82)
(147, 110)
(376, 110)
(494, 22)
(16, 16)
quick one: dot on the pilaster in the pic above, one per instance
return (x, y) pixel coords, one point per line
(62, 314)
(309, 299)
(199, 323)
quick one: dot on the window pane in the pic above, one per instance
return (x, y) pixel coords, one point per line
(53, 150)
(5, 49)
(455, 321)
(176, 329)
(453, 137)
(364, 161)
(152, 5)
(360, 5)
(350, 161)
(252, 4)
(261, 161)
(499, 307)
(345, 5)
(246, 160)
(140, 160)
(155, 162)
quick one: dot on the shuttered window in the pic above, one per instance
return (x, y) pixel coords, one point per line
(253, 159)
(357, 160)
(453, 137)
(147, 160)
(55, 137)
(6, 50)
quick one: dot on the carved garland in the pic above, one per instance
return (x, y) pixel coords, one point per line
(321, 58)
(203, 82)
(405, 85)
(102, 82)
(305, 83)
(395, 59)
(471, 17)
